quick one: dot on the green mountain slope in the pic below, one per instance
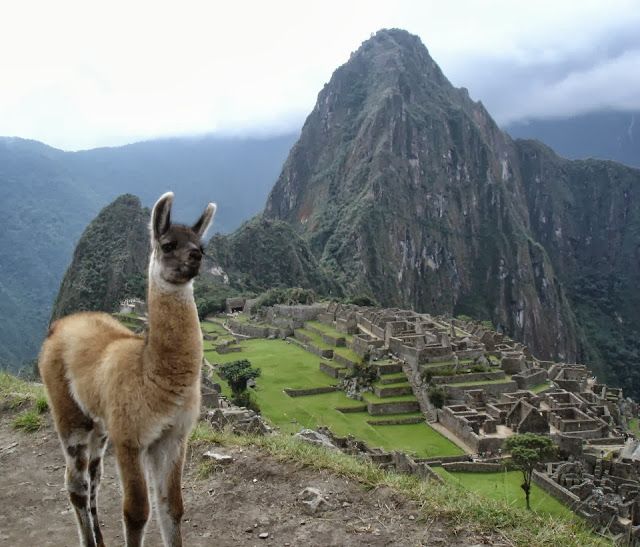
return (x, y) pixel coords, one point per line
(109, 262)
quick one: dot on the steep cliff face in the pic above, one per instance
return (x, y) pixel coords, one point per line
(109, 262)
(586, 214)
(264, 254)
(406, 189)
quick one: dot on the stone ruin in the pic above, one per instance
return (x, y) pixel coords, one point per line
(494, 388)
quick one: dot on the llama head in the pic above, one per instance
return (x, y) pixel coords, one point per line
(176, 249)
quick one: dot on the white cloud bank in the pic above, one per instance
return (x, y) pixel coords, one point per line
(83, 74)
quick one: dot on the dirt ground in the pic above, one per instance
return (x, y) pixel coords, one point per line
(253, 495)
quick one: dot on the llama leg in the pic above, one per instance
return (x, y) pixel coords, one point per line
(135, 505)
(97, 445)
(77, 483)
(166, 459)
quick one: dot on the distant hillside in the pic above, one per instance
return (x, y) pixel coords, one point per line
(49, 197)
(110, 260)
(606, 135)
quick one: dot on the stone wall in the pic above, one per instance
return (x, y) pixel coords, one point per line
(526, 380)
(333, 371)
(344, 361)
(552, 487)
(398, 407)
(457, 392)
(311, 391)
(471, 377)
(301, 312)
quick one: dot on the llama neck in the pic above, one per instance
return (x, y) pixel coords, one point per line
(174, 338)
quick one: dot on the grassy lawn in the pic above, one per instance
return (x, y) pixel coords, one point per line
(540, 387)
(348, 353)
(212, 327)
(328, 329)
(289, 366)
(316, 339)
(504, 380)
(505, 486)
(634, 426)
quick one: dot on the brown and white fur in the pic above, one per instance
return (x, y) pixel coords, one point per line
(141, 393)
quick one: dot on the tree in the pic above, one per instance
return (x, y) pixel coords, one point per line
(237, 374)
(527, 450)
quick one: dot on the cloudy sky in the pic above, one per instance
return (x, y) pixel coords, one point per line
(84, 74)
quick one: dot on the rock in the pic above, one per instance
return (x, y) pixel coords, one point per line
(313, 501)
(313, 437)
(263, 535)
(218, 458)
(241, 420)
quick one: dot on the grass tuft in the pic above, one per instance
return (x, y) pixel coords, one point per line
(28, 421)
(16, 392)
(449, 501)
(42, 405)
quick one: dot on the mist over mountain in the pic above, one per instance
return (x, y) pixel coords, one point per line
(607, 135)
(50, 196)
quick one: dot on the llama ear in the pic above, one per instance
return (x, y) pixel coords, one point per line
(202, 225)
(161, 216)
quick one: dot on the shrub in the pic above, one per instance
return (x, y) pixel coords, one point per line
(289, 297)
(437, 396)
(237, 374)
(28, 421)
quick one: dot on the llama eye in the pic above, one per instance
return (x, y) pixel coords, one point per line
(168, 247)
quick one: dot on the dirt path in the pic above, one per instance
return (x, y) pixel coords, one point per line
(252, 495)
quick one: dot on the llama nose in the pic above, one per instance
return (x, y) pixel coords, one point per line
(195, 255)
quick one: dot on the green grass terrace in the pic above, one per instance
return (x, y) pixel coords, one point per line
(286, 365)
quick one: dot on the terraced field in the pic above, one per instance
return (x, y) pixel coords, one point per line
(286, 365)
(505, 486)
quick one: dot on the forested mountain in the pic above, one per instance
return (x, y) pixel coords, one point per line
(49, 197)
(109, 262)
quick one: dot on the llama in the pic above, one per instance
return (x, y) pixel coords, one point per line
(140, 392)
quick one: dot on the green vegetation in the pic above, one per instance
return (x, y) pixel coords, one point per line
(285, 365)
(539, 387)
(265, 254)
(505, 486)
(237, 374)
(634, 426)
(16, 392)
(110, 260)
(285, 296)
(527, 451)
(29, 421)
(450, 501)
(437, 396)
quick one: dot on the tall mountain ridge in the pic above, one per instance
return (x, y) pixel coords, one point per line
(406, 189)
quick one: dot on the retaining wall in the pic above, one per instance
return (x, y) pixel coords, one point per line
(398, 407)
(310, 391)
(552, 487)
